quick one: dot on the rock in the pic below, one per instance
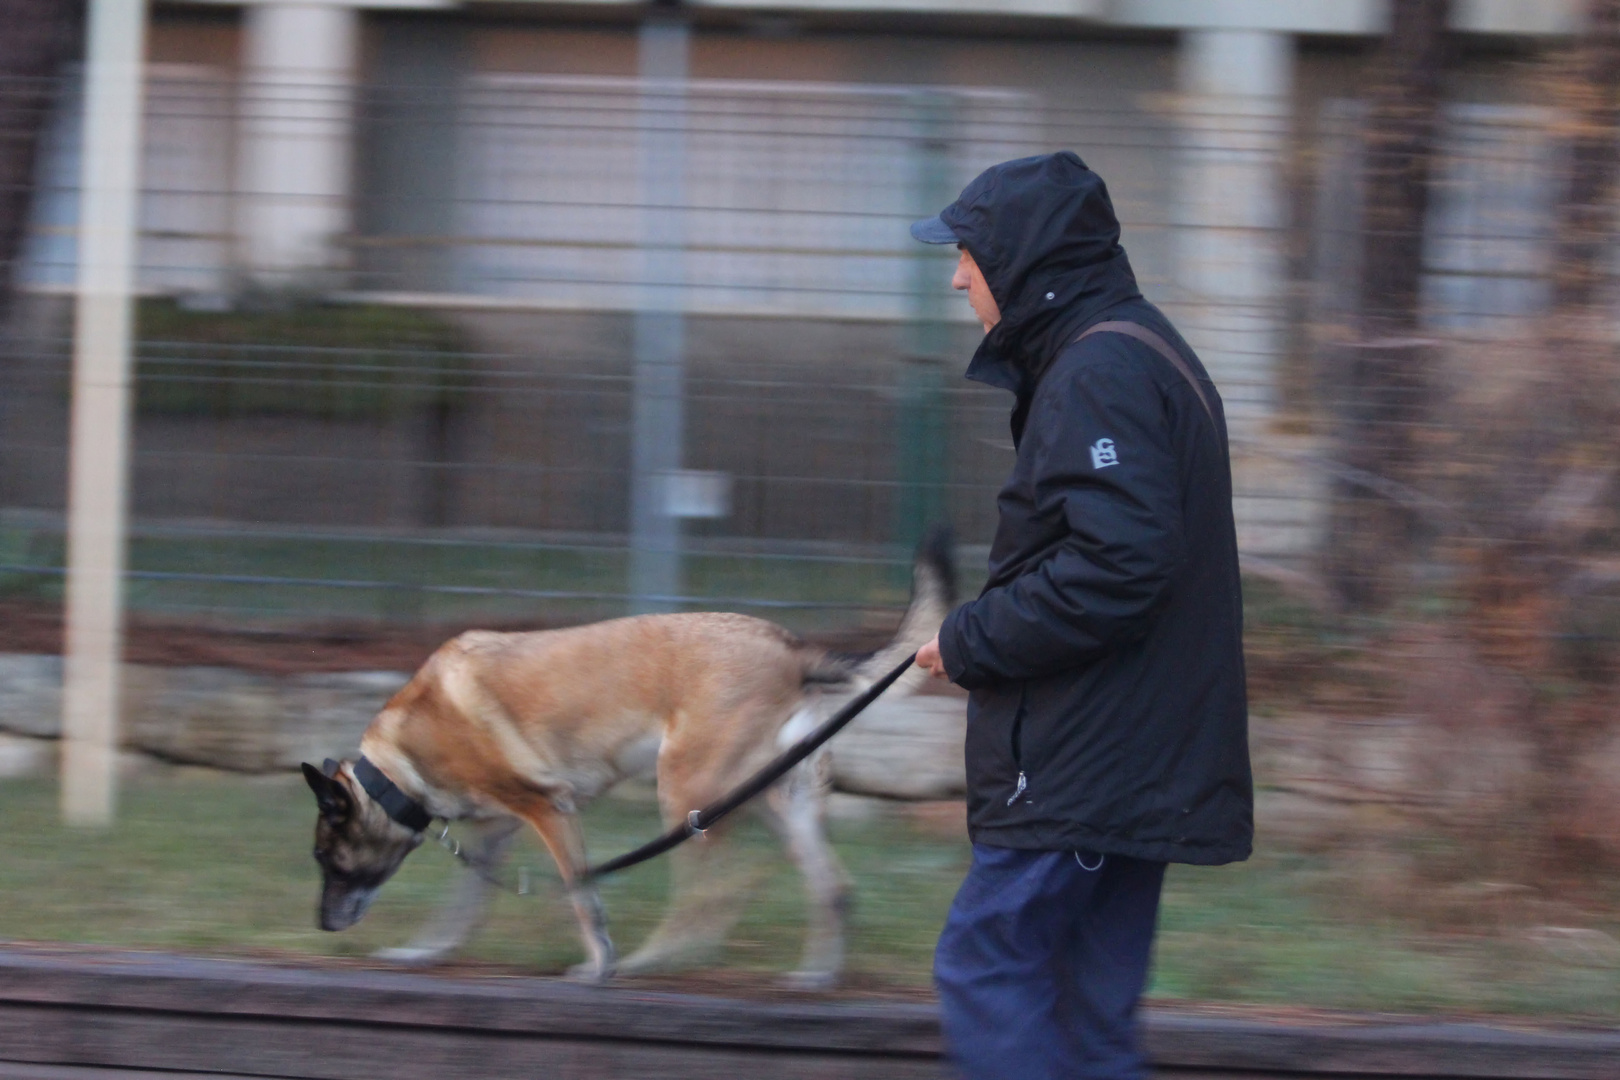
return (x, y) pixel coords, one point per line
(24, 756)
(324, 715)
(249, 722)
(907, 748)
(203, 716)
(31, 694)
(212, 716)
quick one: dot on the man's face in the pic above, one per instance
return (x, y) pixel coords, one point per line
(968, 276)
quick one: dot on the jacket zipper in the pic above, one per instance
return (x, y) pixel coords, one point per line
(1018, 748)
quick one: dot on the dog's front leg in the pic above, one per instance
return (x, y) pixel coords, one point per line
(462, 913)
(559, 827)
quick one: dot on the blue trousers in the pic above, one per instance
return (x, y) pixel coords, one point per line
(1042, 961)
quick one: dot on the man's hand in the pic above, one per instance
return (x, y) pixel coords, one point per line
(928, 659)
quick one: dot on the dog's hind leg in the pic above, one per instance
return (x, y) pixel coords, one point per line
(462, 913)
(793, 809)
(560, 829)
(707, 891)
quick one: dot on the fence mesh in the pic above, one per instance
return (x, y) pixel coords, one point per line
(438, 422)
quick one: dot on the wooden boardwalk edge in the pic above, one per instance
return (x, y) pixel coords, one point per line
(72, 1005)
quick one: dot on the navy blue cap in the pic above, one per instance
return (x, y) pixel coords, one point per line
(934, 231)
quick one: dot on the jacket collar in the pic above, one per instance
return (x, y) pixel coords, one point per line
(1034, 329)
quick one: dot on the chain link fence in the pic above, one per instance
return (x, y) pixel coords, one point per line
(437, 421)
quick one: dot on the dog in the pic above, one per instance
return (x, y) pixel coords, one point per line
(498, 729)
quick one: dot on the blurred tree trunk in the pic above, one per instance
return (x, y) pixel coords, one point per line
(1382, 393)
(1585, 221)
(36, 38)
(1578, 335)
(1527, 588)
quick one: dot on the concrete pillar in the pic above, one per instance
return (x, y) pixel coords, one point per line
(658, 385)
(409, 172)
(98, 467)
(1229, 271)
(297, 128)
(1235, 90)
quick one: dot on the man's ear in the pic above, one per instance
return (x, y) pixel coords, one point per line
(334, 800)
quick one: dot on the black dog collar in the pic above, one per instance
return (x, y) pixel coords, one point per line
(395, 803)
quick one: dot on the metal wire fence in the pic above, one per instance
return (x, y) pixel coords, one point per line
(433, 416)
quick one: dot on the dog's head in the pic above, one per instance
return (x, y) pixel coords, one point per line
(357, 845)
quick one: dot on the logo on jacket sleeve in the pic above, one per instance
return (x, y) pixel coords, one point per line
(1103, 454)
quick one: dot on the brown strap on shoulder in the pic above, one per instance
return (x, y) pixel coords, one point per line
(1158, 345)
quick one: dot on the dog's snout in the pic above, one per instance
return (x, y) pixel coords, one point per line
(340, 917)
(342, 907)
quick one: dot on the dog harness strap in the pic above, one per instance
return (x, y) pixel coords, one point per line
(1158, 345)
(395, 803)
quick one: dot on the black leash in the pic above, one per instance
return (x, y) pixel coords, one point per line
(699, 821)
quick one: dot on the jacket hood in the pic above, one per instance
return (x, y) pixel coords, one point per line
(1044, 234)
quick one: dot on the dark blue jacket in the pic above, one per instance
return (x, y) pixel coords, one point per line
(1104, 656)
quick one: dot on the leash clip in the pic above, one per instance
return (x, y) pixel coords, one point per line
(451, 844)
(524, 886)
(692, 820)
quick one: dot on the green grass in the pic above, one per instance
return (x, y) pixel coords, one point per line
(203, 862)
(1287, 929)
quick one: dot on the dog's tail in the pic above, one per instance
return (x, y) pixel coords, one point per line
(933, 594)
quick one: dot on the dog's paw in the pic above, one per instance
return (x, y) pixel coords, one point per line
(410, 955)
(810, 980)
(590, 972)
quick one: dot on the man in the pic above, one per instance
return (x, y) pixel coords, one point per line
(1107, 724)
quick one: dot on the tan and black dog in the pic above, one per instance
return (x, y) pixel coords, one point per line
(532, 726)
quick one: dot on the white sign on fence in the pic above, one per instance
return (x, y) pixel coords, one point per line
(696, 493)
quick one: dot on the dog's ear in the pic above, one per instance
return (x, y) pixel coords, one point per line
(334, 800)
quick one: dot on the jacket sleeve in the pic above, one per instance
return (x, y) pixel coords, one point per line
(1105, 475)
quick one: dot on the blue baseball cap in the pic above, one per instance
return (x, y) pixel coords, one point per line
(933, 231)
